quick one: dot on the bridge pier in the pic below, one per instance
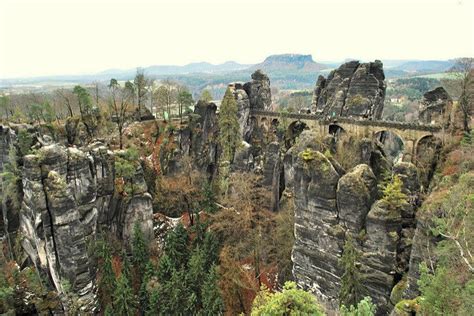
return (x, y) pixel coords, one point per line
(408, 150)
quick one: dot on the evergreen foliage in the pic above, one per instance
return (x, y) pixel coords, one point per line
(124, 300)
(154, 303)
(140, 254)
(126, 267)
(143, 295)
(176, 247)
(106, 283)
(229, 130)
(351, 281)
(364, 308)
(393, 195)
(290, 301)
(206, 96)
(186, 275)
(212, 303)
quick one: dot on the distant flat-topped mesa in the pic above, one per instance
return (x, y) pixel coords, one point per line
(354, 89)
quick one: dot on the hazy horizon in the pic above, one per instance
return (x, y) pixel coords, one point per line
(48, 38)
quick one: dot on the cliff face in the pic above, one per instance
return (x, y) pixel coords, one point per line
(332, 204)
(68, 195)
(199, 139)
(253, 95)
(354, 89)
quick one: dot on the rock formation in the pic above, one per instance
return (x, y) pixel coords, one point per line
(252, 95)
(243, 109)
(67, 195)
(258, 91)
(354, 89)
(332, 204)
(437, 107)
(199, 138)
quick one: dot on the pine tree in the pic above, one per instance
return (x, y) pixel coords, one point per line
(393, 195)
(351, 281)
(206, 96)
(126, 269)
(210, 248)
(195, 276)
(153, 305)
(139, 251)
(229, 129)
(176, 246)
(212, 303)
(124, 300)
(106, 274)
(108, 311)
(174, 295)
(143, 294)
(165, 269)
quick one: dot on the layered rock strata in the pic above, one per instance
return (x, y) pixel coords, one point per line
(354, 89)
(332, 204)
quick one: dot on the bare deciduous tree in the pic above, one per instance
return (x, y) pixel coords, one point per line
(462, 87)
(119, 101)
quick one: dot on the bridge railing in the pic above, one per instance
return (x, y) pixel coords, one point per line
(334, 120)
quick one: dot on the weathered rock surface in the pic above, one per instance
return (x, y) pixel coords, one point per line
(331, 204)
(199, 139)
(258, 91)
(252, 95)
(319, 238)
(354, 89)
(307, 139)
(243, 109)
(9, 217)
(437, 107)
(356, 191)
(67, 196)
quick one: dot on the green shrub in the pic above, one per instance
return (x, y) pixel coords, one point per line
(290, 301)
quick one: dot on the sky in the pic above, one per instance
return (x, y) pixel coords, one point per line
(42, 38)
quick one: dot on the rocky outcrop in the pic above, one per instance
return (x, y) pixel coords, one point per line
(437, 107)
(243, 109)
(9, 217)
(258, 91)
(356, 191)
(199, 138)
(67, 195)
(307, 139)
(354, 89)
(252, 95)
(319, 238)
(331, 204)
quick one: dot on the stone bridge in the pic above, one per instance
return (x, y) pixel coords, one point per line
(410, 133)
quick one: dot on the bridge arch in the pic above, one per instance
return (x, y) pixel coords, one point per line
(264, 123)
(294, 130)
(427, 140)
(336, 130)
(394, 145)
(275, 123)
